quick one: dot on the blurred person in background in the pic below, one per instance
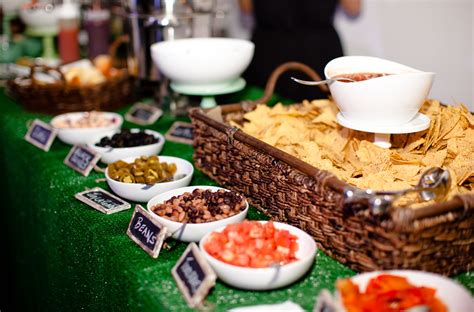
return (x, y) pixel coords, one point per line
(289, 30)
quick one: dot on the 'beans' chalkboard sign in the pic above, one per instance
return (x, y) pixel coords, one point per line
(148, 233)
(193, 275)
(41, 135)
(102, 200)
(181, 132)
(143, 114)
(81, 159)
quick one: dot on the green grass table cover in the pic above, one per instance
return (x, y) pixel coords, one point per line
(62, 255)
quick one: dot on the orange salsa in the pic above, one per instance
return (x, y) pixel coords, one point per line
(387, 293)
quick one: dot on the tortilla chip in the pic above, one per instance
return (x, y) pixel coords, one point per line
(310, 132)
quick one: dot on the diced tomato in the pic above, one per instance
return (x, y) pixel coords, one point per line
(212, 247)
(256, 232)
(283, 250)
(253, 244)
(269, 230)
(259, 243)
(227, 255)
(242, 260)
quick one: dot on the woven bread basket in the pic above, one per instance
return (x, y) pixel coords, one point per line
(437, 238)
(59, 97)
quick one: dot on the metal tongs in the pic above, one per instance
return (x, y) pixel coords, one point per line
(434, 185)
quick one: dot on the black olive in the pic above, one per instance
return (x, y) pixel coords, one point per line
(125, 138)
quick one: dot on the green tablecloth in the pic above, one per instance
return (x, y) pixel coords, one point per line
(63, 255)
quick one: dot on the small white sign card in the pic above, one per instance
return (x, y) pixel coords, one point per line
(194, 276)
(143, 114)
(181, 132)
(102, 200)
(81, 159)
(41, 134)
(148, 233)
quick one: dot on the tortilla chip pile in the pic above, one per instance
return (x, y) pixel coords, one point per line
(309, 131)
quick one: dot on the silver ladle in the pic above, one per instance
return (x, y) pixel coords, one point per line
(315, 83)
(433, 184)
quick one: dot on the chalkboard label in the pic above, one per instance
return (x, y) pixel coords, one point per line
(41, 135)
(143, 114)
(193, 275)
(182, 132)
(148, 233)
(81, 159)
(102, 200)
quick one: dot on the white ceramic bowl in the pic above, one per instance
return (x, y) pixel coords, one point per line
(110, 155)
(40, 18)
(11, 6)
(203, 61)
(84, 135)
(453, 295)
(140, 192)
(192, 232)
(264, 278)
(389, 100)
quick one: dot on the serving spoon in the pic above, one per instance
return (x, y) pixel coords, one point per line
(433, 184)
(315, 83)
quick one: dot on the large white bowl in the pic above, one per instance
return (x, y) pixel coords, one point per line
(387, 100)
(110, 155)
(453, 295)
(140, 192)
(192, 232)
(11, 6)
(39, 18)
(202, 61)
(264, 278)
(84, 135)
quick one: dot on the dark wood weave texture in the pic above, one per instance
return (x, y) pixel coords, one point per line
(58, 98)
(443, 244)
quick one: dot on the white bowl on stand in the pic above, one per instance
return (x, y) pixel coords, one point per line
(383, 105)
(384, 101)
(11, 7)
(203, 62)
(41, 19)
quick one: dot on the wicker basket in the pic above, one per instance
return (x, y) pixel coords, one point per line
(56, 98)
(437, 238)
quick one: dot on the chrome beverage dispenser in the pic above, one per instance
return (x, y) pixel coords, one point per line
(151, 21)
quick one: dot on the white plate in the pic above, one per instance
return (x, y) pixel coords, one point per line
(111, 154)
(453, 295)
(140, 192)
(419, 123)
(266, 278)
(192, 232)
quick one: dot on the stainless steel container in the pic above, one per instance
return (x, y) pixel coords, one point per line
(151, 21)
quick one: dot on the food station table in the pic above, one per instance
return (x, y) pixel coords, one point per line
(63, 255)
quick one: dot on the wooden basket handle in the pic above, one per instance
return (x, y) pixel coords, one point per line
(114, 47)
(270, 87)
